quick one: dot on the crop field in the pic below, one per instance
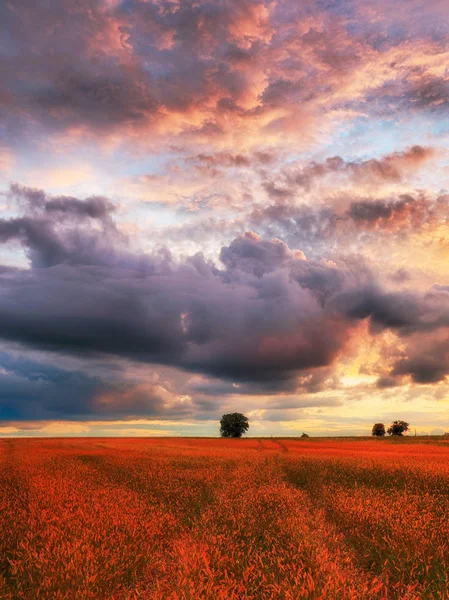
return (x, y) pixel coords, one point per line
(223, 519)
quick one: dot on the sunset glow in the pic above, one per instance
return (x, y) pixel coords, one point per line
(223, 205)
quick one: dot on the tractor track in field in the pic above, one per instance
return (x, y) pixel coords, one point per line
(281, 446)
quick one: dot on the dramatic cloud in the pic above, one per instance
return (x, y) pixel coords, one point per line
(256, 319)
(234, 205)
(268, 315)
(199, 69)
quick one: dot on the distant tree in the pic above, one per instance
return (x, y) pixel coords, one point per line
(233, 425)
(304, 435)
(378, 429)
(398, 428)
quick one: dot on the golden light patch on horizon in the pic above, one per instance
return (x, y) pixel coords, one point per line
(64, 427)
(8, 430)
(143, 432)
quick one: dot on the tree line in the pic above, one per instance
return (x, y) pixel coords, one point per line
(234, 425)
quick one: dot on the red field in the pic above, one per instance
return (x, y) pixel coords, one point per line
(223, 519)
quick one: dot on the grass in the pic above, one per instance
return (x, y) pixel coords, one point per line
(196, 518)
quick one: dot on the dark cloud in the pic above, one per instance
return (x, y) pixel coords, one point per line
(308, 382)
(278, 92)
(425, 357)
(255, 256)
(404, 212)
(406, 311)
(232, 325)
(423, 369)
(370, 211)
(55, 231)
(95, 207)
(384, 310)
(386, 381)
(257, 319)
(421, 322)
(430, 93)
(219, 388)
(265, 319)
(33, 390)
(94, 100)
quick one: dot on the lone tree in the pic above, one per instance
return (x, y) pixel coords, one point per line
(398, 428)
(233, 425)
(378, 429)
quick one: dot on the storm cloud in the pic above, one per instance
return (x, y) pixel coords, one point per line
(265, 314)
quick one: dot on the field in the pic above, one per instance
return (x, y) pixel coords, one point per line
(224, 519)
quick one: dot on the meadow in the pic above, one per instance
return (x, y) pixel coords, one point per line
(184, 518)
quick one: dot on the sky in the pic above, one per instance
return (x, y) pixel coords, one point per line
(211, 206)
